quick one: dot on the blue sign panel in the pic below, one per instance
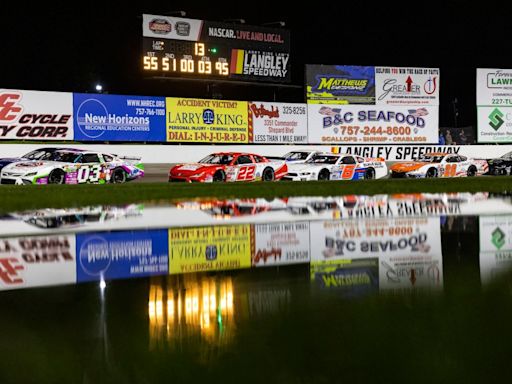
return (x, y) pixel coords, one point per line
(118, 255)
(99, 117)
(340, 84)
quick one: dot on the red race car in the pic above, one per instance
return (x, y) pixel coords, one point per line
(229, 166)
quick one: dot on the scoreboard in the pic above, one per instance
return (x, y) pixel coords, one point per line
(198, 49)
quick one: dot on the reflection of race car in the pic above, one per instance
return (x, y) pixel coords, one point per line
(236, 208)
(501, 165)
(73, 166)
(439, 165)
(229, 166)
(75, 217)
(38, 154)
(328, 166)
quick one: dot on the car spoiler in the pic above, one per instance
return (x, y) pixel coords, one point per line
(274, 158)
(130, 158)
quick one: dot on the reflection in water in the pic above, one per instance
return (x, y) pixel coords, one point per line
(191, 305)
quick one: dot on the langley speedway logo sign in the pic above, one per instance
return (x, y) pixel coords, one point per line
(496, 119)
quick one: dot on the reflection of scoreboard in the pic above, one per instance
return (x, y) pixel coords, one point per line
(188, 48)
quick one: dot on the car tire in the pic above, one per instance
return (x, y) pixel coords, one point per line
(369, 174)
(324, 174)
(118, 176)
(472, 171)
(431, 172)
(268, 174)
(57, 176)
(219, 176)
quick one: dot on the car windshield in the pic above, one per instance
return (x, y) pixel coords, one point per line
(430, 159)
(39, 154)
(217, 159)
(507, 156)
(296, 155)
(65, 157)
(323, 159)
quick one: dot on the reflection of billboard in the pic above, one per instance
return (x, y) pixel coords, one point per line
(101, 117)
(355, 276)
(495, 246)
(340, 84)
(281, 243)
(408, 249)
(37, 261)
(207, 121)
(214, 248)
(117, 255)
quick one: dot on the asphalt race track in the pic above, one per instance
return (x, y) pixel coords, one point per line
(155, 173)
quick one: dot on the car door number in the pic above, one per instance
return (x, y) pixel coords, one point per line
(246, 173)
(450, 170)
(346, 172)
(89, 173)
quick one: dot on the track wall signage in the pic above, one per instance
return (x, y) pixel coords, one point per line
(282, 123)
(100, 117)
(207, 121)
(35, 115)
(359, 124)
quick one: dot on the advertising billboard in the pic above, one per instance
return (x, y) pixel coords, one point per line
(494, 124)
(278, 123)
(351, 124)
(119, 255)
(494, 87)
(37, 261)
(35, 115)
(212, 248)
(281, 244)
(406, 86)
(340, 84)
(99, 117)
(207, 121)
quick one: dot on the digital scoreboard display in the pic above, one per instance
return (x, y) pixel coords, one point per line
(197, 49)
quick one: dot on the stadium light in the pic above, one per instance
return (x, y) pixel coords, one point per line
(176, 13)
(235, 21)
(281, 24)
(99, 88)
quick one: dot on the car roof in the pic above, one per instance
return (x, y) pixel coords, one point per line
(438, 154)
(235, 154)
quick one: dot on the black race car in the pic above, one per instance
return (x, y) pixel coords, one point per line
(501, 165)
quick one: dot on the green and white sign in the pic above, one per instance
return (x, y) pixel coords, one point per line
(494, 124)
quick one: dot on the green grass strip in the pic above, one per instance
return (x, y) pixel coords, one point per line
(23, 197)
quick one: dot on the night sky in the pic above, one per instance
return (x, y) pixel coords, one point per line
(72, 47)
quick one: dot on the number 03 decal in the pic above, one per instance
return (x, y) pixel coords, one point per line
(89, 174)
(246, 173)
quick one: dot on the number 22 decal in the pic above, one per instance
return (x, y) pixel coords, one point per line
(246, 173)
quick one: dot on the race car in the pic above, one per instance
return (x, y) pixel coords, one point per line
(501, 165)
(38, 154)
(73, 166)
(439, 165)
(329, 166)
(229, 166)
(300, 156)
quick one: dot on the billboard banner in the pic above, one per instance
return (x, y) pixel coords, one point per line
(176, 28)
(35, 115)
(330, 124)
(340, 84)
(207, 121)
(37, 261)
(408, 249)
(494, 87)
(494, 124)
(281, 244)
(406, 86)
(119, 255)
(213, 248)
(100, 117)
(278, 123)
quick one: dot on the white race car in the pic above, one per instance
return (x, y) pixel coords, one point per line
(300, 156)
(73, 166)
(329, 166)
(439, 165)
